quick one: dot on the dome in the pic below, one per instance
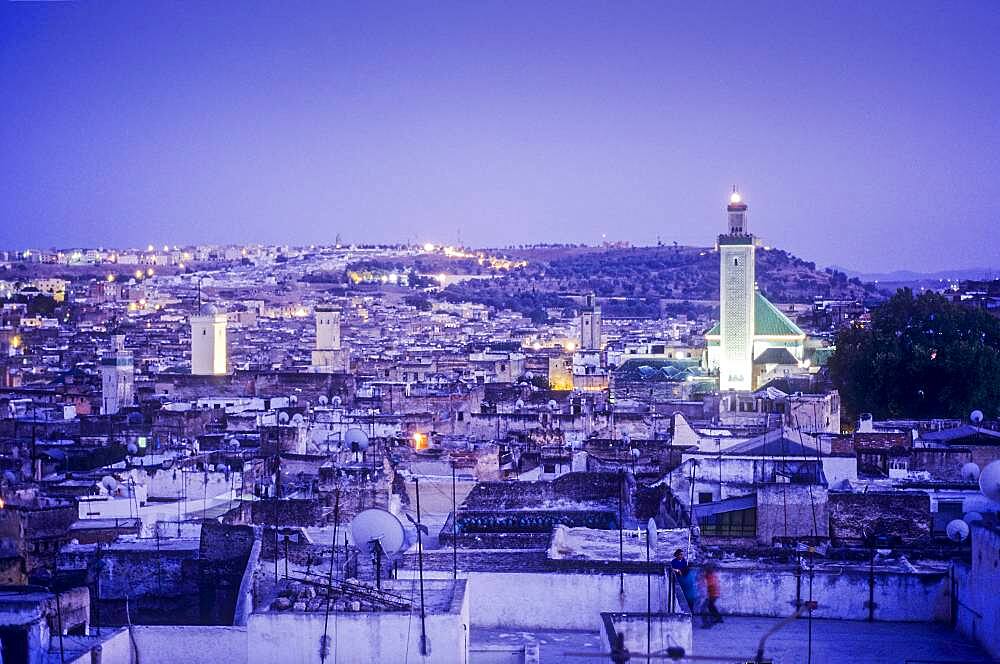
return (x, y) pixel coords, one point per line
(209, 309)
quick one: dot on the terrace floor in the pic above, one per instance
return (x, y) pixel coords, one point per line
(735, 641)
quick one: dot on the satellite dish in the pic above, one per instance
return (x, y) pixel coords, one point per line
(283, 418)
(626, 439)
(972, 517)
(356, 439)
(9, 476)
(957, 530)
(298, 420)
(976, 416)
(529, 375)
(132, 448)
(989, 481)
(970, 472)
(109, 483)
(336, 401)
(553, 405)
(519, 404)
(293, 399)
(651, 536)
(323, 400)
(378, 526)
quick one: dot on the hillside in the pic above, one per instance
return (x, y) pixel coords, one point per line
(646, 275)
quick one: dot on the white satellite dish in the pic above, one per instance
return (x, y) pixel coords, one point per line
(553, 405)
(356, 440)
(336, 401)
(9, 476)
(132, 448)
(378, 526)
(972, 517)
(976, 417)
(298, 420)
(957, 530)
(293, 399)
(989, 481)
(970, 472)
(519, 404)
(651, 536)
(109, 483)
(283, 418)
(323, 400)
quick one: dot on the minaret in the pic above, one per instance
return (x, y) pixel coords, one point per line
(590, 324)
(208, 342)
(736, 299)
(117, 377)
(329, 355)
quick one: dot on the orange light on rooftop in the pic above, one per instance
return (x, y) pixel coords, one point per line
(419, 441)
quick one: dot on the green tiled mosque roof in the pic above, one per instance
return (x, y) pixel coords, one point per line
(768, 321)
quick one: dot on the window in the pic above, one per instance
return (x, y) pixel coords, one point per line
(736, 262)
(549, 468)
(738, 523)
(704, 497)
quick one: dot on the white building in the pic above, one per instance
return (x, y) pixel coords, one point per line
(117, 378)
(208, 342)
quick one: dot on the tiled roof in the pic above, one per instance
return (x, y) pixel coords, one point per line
(767, 321)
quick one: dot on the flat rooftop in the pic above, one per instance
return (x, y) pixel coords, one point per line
(736, 639)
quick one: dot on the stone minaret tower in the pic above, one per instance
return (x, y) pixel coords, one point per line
(736, 299)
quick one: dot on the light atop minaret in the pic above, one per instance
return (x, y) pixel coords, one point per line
(737, 210)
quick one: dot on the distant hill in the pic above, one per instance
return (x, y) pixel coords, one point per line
(650, 274)
(910, 276)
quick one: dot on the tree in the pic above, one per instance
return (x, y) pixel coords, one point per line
(921, 357)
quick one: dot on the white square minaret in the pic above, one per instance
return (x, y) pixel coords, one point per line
(736, 300)
(209, 355)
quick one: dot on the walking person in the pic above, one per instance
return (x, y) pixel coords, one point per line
(712, 592)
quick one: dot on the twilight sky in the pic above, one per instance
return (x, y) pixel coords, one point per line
(863, 134)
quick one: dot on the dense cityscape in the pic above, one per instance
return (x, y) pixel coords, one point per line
(461, 383)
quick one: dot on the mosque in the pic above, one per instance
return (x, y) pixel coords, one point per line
(753, 340)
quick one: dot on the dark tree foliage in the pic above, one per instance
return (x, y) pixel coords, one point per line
(921, 357)
(418, 300)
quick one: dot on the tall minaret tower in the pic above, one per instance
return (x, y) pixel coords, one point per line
(736, 299)
(590, 324)
(208, 342)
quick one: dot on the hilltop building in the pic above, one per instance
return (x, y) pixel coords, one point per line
(208, 342)
(753, 338)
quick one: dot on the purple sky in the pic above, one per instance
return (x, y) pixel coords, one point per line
(862, 134)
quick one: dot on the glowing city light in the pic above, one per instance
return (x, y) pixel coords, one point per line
(735, 198)
(419, 441)
(429, 247)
